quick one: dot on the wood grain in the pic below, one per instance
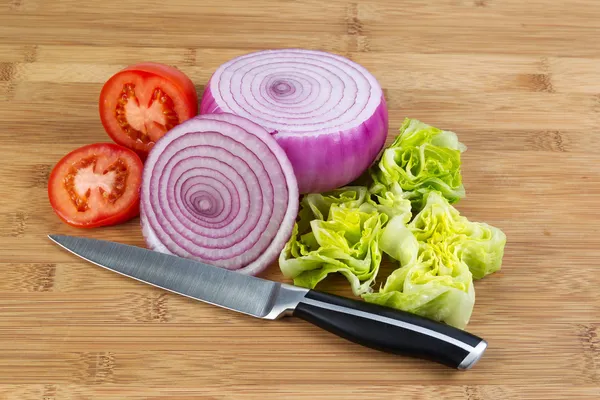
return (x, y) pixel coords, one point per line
(519, 81)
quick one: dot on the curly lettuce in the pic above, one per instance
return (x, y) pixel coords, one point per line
(440, 252)
(479, 245)
(339, 232)
(421, 159)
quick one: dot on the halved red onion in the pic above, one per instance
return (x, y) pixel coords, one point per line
(219, 189)
(327, 112)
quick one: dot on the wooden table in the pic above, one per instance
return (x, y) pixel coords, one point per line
(519, 81)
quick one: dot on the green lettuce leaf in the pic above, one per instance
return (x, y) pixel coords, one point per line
(391, 202)
(479, 245)
(421, 159)
(339, 231)
(440, 252)
(431, 282)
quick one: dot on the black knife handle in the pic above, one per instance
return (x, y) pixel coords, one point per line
(391, 330)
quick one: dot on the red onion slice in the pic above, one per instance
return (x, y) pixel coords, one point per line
(327, 112)
(219, 189)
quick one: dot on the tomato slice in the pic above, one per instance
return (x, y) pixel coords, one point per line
(96, 185)
(140, 103)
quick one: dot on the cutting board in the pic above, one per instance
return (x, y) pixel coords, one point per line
(519, 81)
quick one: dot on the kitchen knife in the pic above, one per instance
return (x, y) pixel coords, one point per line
(371, 325)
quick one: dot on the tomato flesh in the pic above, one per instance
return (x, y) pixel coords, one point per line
(96, 185)
(145, 122)
(139, 104)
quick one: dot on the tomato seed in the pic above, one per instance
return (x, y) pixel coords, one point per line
(81, 202)
(128, 94)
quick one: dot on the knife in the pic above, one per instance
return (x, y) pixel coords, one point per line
(370, 325)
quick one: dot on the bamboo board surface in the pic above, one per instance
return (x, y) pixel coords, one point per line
(519, 81)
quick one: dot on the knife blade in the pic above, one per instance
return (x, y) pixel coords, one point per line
(371, 325)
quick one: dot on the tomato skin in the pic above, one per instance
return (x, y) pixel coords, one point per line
(174, 82)
(128, 209)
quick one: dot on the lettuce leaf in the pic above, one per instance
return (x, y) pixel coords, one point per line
(339, 231)
(418, 288)
(392, 202)
(421, 159)
(479, 245)
(440, 252)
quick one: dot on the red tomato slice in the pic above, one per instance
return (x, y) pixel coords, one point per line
(139, 104)
(96, 185)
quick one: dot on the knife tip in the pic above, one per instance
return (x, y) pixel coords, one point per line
(55, 238)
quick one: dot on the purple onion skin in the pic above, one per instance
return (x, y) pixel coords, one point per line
(323, 165)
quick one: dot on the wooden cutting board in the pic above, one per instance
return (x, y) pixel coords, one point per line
(519, 81)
